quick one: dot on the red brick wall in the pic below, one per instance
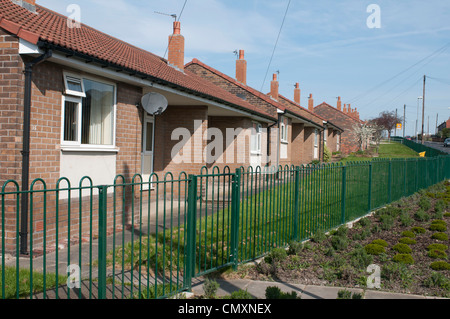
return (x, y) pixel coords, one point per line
(348, 141)
(298, 147)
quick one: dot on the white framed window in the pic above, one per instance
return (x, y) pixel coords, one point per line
(284, 131)
(325, 135)
(338, 142)
(316, 144)
(89, 121)
(256, 139)
(73, 85)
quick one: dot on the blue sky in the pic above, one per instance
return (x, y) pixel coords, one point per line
(325, 45)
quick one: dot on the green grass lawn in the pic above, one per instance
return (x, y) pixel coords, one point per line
(388, 150)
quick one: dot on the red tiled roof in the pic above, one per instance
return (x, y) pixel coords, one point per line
(294, 106)
(335, 109)
(50, 27)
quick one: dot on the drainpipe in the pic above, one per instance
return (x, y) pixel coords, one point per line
(26, 149)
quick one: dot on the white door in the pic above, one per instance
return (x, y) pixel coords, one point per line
(147, 148)
(256, 145)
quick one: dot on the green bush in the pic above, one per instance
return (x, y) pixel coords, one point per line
(437, 280)
(276, 293)
(447, 215)
(402, 248)
(295, 248)
(339, 242)
(439, 222)
(380, 242)
(404, 259)
(437, 254)
(438, 247)
(425, 203)
(326, 154)
(438, 227)
(407, 241)
(409, 234)
(406, 220)
(345, 294)
(241, 294)
(373, 249)
(210, 288)
(276, 255)
(341, 231)
(386, 222)
(319, 237)
(365, 222)
(419, 230)
(421, 216)
(440, 236)
(440, 265)
(360, 258)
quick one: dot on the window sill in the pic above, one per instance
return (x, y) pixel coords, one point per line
(284, 142)
(88, 149)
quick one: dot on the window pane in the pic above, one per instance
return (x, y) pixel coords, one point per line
(70, 121)
(98, 114)
(74, 86)
(149, 137)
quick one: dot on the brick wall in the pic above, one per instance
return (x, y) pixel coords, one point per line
(348, 141)
(298, 144)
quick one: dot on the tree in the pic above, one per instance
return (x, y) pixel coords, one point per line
(363, 133)
(388, 120)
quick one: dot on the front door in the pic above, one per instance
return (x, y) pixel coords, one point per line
(147, 148)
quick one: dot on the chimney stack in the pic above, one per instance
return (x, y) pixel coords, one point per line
(345, 108)
(339, 104)
(311, 103)
(297, 93)
(274, 86)
(176, 47)
(241, 68)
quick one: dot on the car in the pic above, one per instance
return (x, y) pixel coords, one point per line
(447, 142)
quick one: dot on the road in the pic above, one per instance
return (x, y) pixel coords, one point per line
(438, 146)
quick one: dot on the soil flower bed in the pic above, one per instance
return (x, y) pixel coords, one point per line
(408, 241)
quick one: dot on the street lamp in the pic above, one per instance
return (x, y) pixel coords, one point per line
(417, 121)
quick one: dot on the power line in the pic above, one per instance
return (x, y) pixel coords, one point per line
(434, 54)
(276, 44)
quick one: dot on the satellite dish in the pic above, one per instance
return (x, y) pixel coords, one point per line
(154, 103)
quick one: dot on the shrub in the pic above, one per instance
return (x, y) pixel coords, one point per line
(364, 222)
(404, 259)
(425, 203)
(380, 242)
(360, 258)
(437, 254)
(326, 154)
(440, 265)
(438, 247)
(402, 248)
(409, 234)
(339, 243)
(440, 236)
(419, 230)
(438, 227)
(276, 293)
(437, 280)
(241, 294)
(421, 216)
(447, 215)
(210, 288)
(439, 222)
(319, 237)
(341, 231)
(387, 222)
(295, 248)
(276, 255)
(345, 294)
(374, 249)
(407, 241)
(391, 272)
(406, 220)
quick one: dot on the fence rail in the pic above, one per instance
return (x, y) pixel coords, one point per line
(149, 239)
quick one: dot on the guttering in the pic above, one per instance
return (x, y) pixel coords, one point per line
(26, 147)
(143, 76)
(304, 119)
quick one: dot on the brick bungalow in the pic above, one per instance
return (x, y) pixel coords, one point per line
(299, 136)
(346, 118)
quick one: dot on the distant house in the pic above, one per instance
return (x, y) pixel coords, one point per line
(346, 118)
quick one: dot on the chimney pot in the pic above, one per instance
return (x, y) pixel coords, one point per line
(311, 103)
(339, 104)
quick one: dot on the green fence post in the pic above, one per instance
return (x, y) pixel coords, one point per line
(235, 206)
(390, 182)
(190, 231)
(344, 191)
(297, 202)
(370, 186)
(102, 233)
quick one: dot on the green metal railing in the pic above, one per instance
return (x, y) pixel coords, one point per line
(149, 239)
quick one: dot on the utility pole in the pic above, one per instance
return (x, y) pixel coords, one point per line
(404, 120)
(423, 108)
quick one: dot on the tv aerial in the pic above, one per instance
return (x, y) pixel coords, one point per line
(168, 15)
(154, 103)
